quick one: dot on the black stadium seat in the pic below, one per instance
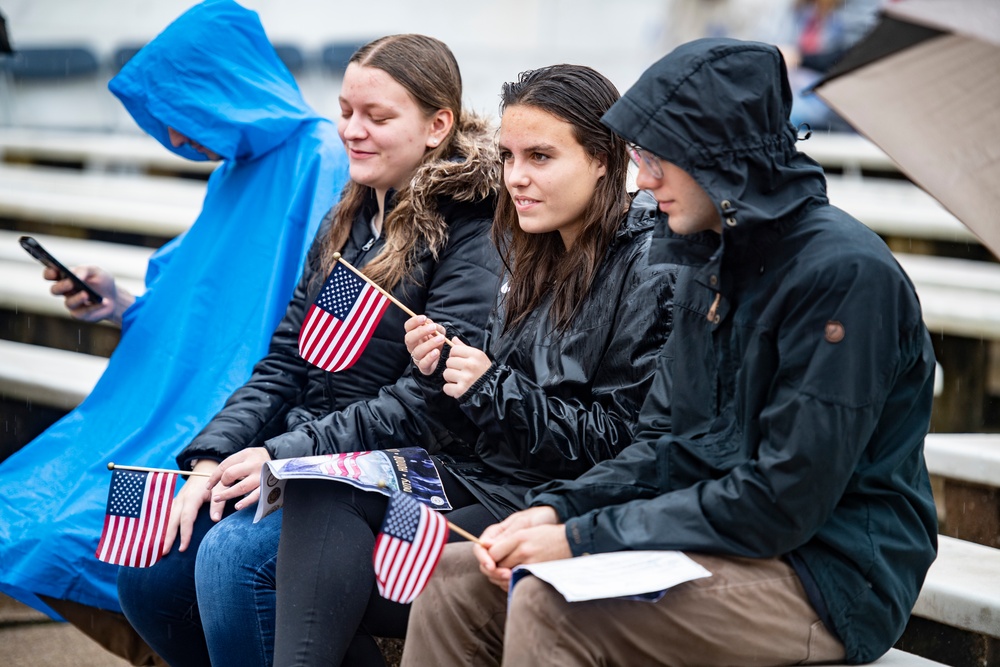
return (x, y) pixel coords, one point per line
(122, 55)
(336, 55)
(51, 63)
(292, 56)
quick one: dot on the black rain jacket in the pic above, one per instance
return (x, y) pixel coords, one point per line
(554, 404)
(788, 420)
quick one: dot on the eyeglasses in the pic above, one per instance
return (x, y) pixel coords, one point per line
(640, 156)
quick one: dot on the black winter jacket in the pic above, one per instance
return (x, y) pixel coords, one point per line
(787, 419)
(552, 405)
(296, 409)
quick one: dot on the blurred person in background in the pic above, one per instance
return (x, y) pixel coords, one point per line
(813, 35)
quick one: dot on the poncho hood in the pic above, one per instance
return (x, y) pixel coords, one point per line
(213, 76)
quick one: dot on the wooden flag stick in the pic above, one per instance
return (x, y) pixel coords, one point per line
(337, 257)
(115, 466)
(464, 533)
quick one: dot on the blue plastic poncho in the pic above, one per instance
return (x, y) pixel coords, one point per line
(213, 296)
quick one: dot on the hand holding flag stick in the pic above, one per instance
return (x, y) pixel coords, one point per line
(337, 257)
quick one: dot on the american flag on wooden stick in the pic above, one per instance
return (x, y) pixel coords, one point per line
(341, 321)
(136, 519)
(407, 548)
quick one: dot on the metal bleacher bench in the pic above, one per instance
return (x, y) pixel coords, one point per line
(154, 205)
(851, 153)
(47, 376)
(97, 150)
(896, 208)
(971, 457)
(959, 297)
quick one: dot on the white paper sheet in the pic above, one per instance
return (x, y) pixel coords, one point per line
(646, 574)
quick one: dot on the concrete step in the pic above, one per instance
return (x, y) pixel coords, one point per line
(29, 638)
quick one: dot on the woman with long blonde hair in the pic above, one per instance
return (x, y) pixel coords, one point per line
(415, 218)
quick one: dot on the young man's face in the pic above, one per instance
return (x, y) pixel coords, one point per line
(688, 207)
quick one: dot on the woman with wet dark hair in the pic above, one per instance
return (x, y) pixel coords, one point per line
(577, 325)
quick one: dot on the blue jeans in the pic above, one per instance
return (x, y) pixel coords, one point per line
(235, 575)
(233, 605)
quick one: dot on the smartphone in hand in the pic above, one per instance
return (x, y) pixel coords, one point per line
(35, 249)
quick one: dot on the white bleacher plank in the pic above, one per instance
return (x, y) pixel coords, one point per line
(22, 289)
(950, 272)
(968, 314)
(121, 260)
(958, 297)
(130, 203)
(897, 208)
(970, 457)
(47, 376)
(847, 151)
(962, 588)
(95, 149)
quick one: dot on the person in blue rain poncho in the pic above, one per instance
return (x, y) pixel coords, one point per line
(209, 86)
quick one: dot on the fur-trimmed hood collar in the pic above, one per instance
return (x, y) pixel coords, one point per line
(471, 175)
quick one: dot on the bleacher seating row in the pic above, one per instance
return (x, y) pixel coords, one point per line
(124, 203)
(960, 298)
(94, 151)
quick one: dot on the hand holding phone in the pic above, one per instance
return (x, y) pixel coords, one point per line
(35, 249)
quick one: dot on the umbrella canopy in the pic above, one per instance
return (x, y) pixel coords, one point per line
(924, 85)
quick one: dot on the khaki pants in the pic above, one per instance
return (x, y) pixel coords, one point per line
(109, 629)
(749, 612)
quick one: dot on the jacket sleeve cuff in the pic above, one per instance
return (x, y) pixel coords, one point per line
(290, 445)
(487, 378)
(579, 529)
(189, 460)
(580, 537)
(431, 385)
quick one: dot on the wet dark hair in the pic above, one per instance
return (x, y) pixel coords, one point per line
(540, 264)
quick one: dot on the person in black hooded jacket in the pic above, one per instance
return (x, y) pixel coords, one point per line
(781, 444)
(581, 318)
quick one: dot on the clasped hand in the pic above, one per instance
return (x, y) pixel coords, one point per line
(236, 477)
(533, 535)
(424, 341)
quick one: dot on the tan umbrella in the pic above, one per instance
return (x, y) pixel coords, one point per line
(924, 85)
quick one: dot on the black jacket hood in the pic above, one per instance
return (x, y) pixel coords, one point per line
(719, 109)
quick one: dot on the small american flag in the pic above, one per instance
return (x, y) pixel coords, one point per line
(341, 321)
(407, 548)
(136, 519)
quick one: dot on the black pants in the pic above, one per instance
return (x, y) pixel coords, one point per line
(328, 606)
